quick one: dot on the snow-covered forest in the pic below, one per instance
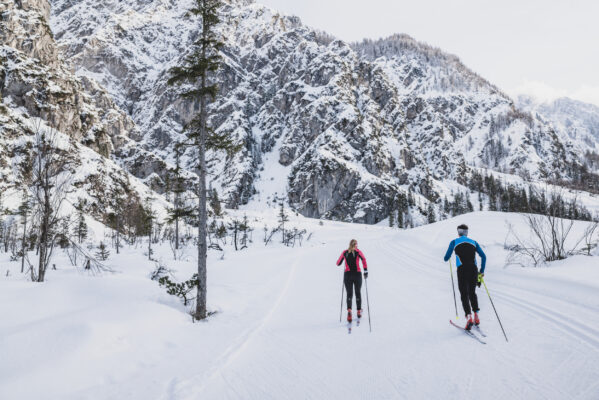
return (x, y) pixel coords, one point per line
(178, 178)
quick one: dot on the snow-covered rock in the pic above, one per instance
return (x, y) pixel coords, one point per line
(357, 125)
(576, 121)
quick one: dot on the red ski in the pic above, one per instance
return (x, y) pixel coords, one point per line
(469, 333)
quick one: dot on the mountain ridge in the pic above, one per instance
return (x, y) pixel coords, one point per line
(355, 126)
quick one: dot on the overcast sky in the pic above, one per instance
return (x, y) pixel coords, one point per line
(549, 48)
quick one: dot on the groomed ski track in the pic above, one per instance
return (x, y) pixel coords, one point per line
(277, 333)
(303, 352)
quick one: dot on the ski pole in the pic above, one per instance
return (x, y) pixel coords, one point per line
(453, 288)
(341, 307)
(368, 304)
(483, 281)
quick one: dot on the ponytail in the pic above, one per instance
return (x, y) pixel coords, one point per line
(352, 246)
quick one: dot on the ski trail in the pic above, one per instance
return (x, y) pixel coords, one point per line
(238, 346)
(560, 321)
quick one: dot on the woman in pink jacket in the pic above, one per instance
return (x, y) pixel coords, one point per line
(353, 277)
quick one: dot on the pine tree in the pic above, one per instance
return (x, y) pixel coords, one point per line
(102, 253)
(430, 213)
(23, 212)
(65, 232)
(150, 217)
(446, 206)
(178, 188)
(203, 61)
(215, 203)
(234, 226)
(245, 230)
(283, 217)
(402, 209)
(400, 220)
(81, 228)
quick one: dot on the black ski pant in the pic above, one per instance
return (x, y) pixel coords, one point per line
(353, 280)
(467, 278)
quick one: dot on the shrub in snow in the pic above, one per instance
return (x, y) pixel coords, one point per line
(182, 289)
(160, 271)
(102, 253)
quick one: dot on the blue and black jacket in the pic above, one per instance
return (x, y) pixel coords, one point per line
(465, 252)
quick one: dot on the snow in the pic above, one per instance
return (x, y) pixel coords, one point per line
(276, 333)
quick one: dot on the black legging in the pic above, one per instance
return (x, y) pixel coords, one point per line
(353, 280)
(467, 278)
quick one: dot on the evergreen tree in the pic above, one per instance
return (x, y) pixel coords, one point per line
(178, 188)
(235, 227)
(215, 203)
(221, 232)
(196, 70)
(81, 227)
(480, 201)
(469, 205)
(402, 209)
(446, 206)
(23, 212)
(65, 232)
(245, 230)
(430, 213)
(102, 253)
(400, 220)
(283, 217)
(150, 217)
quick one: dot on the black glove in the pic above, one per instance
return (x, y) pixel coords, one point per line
(365, 274)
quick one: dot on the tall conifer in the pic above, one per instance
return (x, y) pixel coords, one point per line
(196, 73)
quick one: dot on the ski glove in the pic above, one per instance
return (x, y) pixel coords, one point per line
(365, 274)
(480, 279)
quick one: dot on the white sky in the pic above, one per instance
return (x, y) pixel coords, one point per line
(548, 48)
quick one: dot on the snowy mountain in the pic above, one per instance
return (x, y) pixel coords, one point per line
(348, 128)
(36, 85)
(352, 132)
(575, 120)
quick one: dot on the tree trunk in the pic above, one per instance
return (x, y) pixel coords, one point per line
(150, 242)
(44, 236)
(177, 225)
(23, 243)
(118, 233)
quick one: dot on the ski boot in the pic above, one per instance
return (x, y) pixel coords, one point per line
(476, 320)
(359, 313)
(469, 322)
(349, 317)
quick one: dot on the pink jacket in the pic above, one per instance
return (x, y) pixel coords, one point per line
(352, 263)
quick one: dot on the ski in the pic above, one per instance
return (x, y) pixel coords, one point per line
(472, 335)
(349, 327)
(477, 327)
(358, 322)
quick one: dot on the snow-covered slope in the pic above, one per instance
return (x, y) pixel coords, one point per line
(277, 333)
(355, 124)
(37, 88)
(575, 120)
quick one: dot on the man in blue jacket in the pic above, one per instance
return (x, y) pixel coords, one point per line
(468, 276)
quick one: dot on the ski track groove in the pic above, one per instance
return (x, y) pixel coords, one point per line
(239, 344)
(533, 308)
(555, 318)
(417, 258)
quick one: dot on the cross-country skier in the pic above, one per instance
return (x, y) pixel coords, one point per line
(353, 277)
(468, 276)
